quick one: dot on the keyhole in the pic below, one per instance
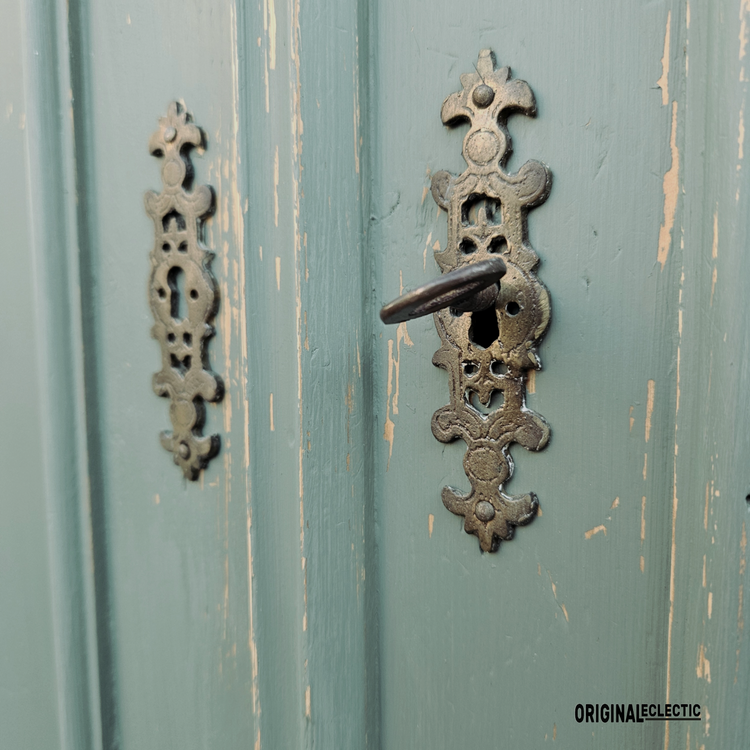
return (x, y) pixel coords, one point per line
(484, 331)
(176, 281)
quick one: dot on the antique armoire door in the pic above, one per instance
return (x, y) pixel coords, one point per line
(309, 588)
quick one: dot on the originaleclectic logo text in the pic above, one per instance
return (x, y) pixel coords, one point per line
(637, 713)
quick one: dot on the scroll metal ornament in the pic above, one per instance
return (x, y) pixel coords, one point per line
(183, 293)
(488, 354)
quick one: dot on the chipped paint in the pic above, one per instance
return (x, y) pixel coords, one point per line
(744, 10)
(229, 292)
(596, 530)
(643, 519)
(307, 703)
(645, 466)
(355, 86)
(304, 566)
(675, 502)
(297, 147)
(271, 34)
(307, 270)
(615, 503)
(705, 510)
(276, 187)
(229, 221)
(559, 603)
(402, 334)
(671, 189)
(426, 247)
(531, 381)
(715, 242)
(238, 229)
(349, 401)
(278, 273)
(663, 82)
(710, 605)
(741, 135)
(270, 408)
(703, 669)
(650, 387)
(430, 524)
(251, 642)
(392, 391)
(266, 81)
(740, 612)
(631, 418)
(389, 423)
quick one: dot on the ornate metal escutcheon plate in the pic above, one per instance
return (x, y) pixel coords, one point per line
(183, 292)
(488, 353)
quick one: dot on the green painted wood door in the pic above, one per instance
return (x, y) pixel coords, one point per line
(310, 589)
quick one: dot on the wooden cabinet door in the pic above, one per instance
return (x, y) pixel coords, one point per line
(310, 589)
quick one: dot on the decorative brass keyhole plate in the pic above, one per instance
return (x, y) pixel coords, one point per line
(183, 293)
(488, 353)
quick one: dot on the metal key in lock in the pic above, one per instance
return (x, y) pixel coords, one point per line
(491, 311)
(472, 287)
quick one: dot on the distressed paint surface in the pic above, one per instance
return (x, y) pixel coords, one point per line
(635, 340)
(292, 597)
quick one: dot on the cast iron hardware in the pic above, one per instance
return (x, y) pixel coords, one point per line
(471, 287)
(488, 348)
(183, 293)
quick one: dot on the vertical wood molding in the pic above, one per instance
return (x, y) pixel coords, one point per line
(55, 250)
(336, 329)
(707, 652)
(29, 710)
(304, 95)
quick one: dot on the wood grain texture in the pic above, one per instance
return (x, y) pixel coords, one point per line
(709, 654)
(306, 260)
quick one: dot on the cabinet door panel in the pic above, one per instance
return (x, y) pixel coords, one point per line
(310, 589)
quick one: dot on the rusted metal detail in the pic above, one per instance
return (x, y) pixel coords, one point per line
(183, 293)
(490, 339)
(489, 353)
